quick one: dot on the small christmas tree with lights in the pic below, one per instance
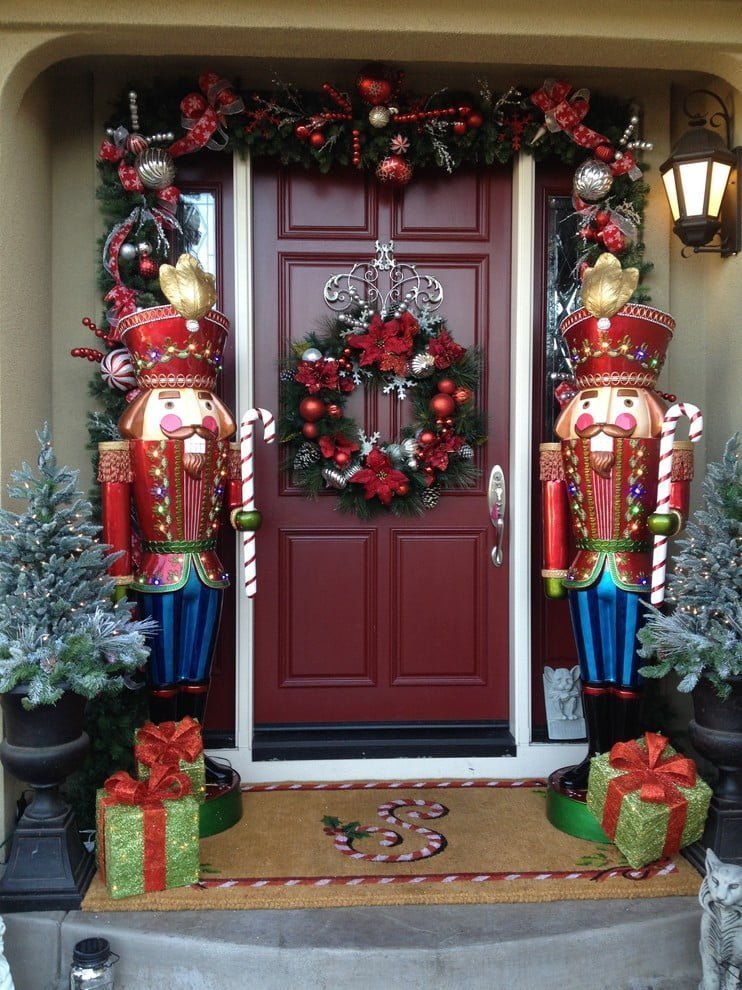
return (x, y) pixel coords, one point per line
(59, 626)
(702, 635)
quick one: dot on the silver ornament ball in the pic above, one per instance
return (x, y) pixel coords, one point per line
(128, 252)
(379, 116)
(592, 181)
(155, 168)
(144, 249)
(311, 354)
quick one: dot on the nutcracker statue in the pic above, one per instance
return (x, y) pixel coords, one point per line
(604, 476)
(177, 465)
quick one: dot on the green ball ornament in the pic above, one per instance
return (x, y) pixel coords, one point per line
(554, 588)
(664, 523)
(246, 520)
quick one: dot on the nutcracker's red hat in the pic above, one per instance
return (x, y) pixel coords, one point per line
(169, 351)
(628, 348)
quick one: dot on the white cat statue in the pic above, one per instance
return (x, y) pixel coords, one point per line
(6, 980)
(721, 925)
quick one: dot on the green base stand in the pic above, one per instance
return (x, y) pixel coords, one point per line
(567, 811)
(222, 808)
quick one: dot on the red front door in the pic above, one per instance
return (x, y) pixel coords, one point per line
(396, 620)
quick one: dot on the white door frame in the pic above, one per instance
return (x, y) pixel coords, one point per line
(532, 759)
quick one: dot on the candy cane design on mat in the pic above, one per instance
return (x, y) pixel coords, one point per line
(669, 425)
(247, 464)
(416, 808)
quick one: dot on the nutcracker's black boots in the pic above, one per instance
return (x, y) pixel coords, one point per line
(596, 699)
(163, 703)
(626, 715)
(192, 701)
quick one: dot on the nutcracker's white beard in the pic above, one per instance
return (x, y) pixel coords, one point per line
(602, 457)
(193, 458)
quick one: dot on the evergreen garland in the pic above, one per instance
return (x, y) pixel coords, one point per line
(702, 636)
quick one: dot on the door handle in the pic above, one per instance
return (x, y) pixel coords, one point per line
(497, 503)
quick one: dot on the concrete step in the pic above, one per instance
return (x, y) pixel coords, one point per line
(642, 944)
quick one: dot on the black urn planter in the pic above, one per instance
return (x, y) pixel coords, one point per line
(716, 732)
(48, 868)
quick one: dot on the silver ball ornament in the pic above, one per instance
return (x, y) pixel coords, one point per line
(592, 180)
(311, 354)
(155, 168)
(144, 249)
(379, 116)
(128, 252)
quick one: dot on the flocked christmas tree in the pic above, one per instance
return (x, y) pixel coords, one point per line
(59, 627)
(702, 635)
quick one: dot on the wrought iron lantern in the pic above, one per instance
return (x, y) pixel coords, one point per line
(701, 179)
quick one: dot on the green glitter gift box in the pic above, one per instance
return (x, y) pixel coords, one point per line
(147, 832)
(177, 744)
(648, 799)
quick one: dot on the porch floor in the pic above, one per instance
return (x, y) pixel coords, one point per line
(642, 944)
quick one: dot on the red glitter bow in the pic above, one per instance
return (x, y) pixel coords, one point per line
(164, 784)
(169, 742)
(655, 778)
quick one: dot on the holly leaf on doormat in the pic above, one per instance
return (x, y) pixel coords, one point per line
(351, 830)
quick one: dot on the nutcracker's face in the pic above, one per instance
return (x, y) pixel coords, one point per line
(603, 414)
(188, 414)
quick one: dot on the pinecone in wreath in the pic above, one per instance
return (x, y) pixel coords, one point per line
(466, 451)
(286, 375)
(307, 455)
(431, 496)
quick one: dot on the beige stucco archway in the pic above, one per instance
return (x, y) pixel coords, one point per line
(59, 62)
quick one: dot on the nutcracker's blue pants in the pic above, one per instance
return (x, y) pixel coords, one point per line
(605, 620)
(188, 621)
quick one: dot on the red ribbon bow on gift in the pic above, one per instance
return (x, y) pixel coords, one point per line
(164, 784)
(657, 781)
(169, 742)
(203, 115)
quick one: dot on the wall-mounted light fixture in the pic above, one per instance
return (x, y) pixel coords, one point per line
(702, 180)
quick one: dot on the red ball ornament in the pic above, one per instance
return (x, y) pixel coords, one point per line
(374, 85)
(459, 127)
(447, 385)
(312, 409)
(136, 143)
(463, 395)
(604, 153)
(475, 120)
(394, 170)
(148, 268)
(427, 436)
(442, 404)
(403, 489)
(317, 139)
(334, 411)
(341, 458)
(602, 218)
(301, 131)
(310, 431)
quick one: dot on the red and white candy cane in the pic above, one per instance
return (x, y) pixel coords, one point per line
(669, 425)
(247, 463)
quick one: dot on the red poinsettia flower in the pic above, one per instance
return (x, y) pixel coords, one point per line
(317, 375)
(332, 446)
(379, 478)
(445, 350)
(387, 345)
(435, 454)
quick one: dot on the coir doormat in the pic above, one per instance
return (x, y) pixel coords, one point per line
(304, 845)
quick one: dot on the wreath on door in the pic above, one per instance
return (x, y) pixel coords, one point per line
(395, 343)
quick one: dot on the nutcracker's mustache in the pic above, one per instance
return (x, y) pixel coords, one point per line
(186, 432)
(610, 430)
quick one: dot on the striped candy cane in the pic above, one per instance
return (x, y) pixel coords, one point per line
(248, 486)
(669, 425)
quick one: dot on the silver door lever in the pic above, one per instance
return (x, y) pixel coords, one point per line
(496, 502)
